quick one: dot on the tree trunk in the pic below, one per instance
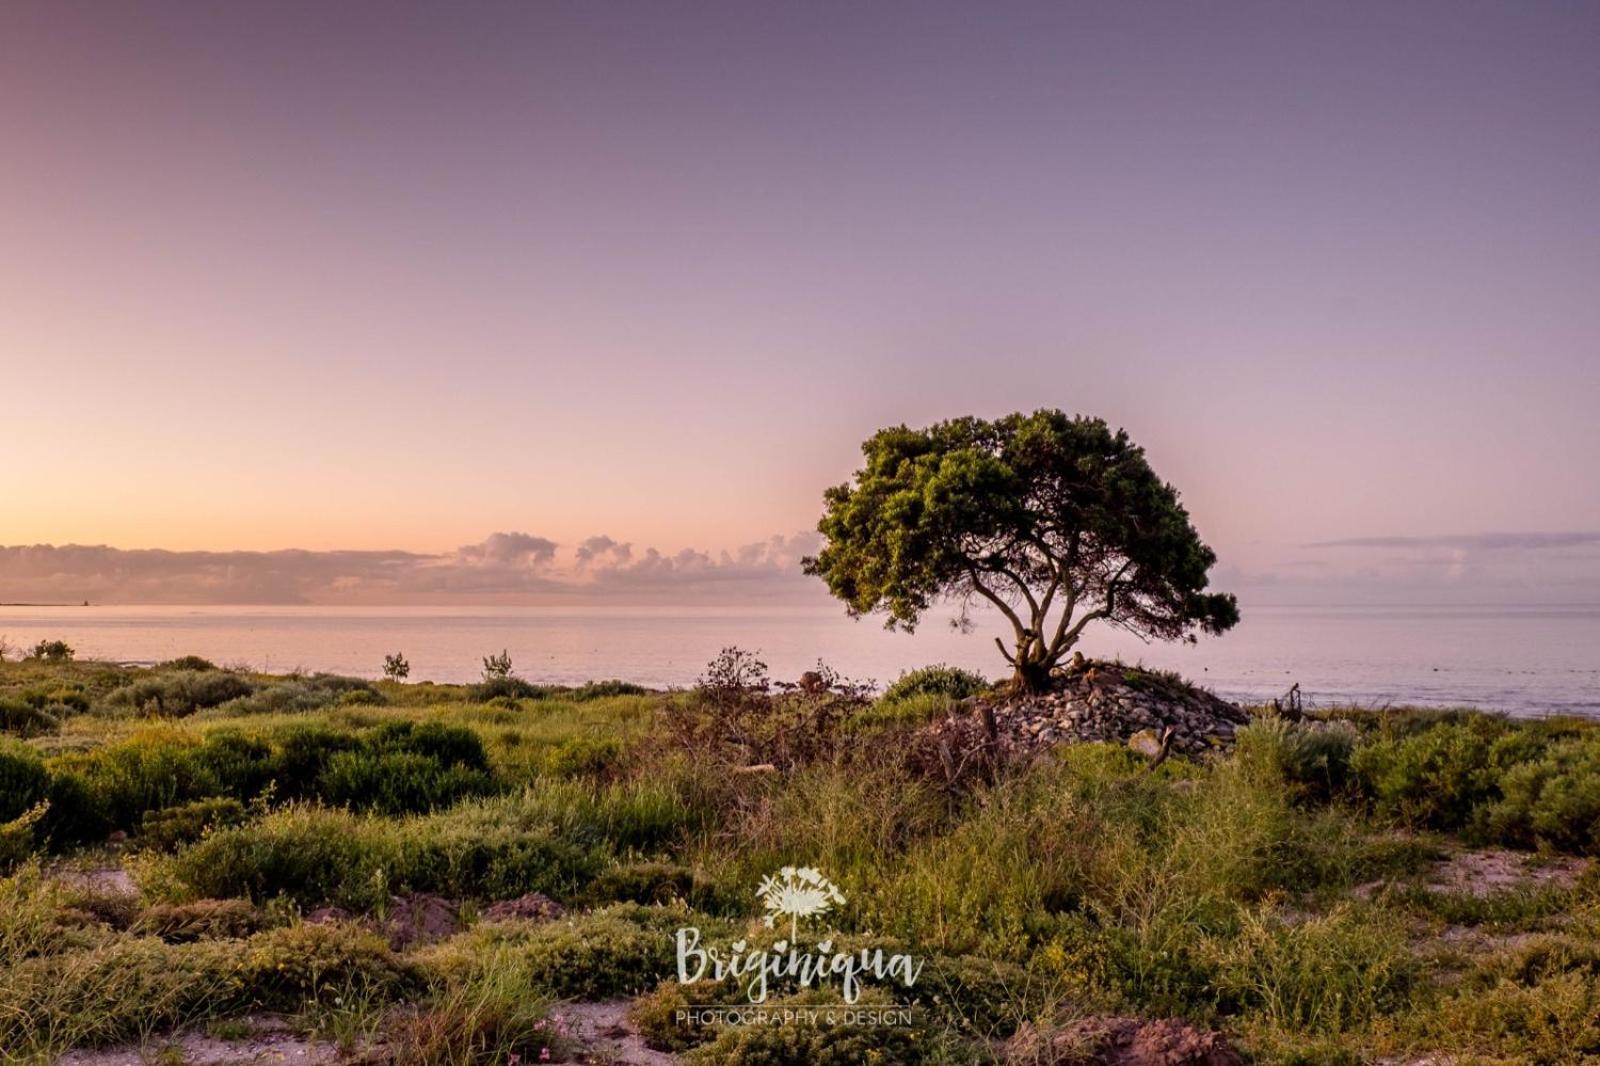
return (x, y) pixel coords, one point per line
(1031, 677)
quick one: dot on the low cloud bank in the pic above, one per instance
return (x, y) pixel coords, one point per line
(521, 568)
(503, 568)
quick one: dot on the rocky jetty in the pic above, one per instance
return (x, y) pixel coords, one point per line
(1144, 709)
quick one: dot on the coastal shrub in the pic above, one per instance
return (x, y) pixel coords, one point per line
(405, 767)
(204, 919)
(448, 745)
(304, 752)
(174, 826)
(1310, 759)
(178, 693)
(118, 990)
(1435, 778)
(149, 771)
(310, 854)
(621, 950)
(187, 662)
(242, 764)
(61, 699)
(1552, 801)
(939, 680)
(398, 768)
(19, 837)
(295, 694)
(317, 855)
(52, 651)
(734, 714)
(75, 815)
(287, 967)
(514, 688)
(25, 720)
(496, 667)
(494, 1017)
(597, 690)
(1536, 1002)
(397, 782)
(1325, 974)
(23, 779)
(580, 756)
(643, 882)
(655, 1015)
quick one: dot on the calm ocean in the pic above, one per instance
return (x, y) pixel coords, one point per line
(1525, 660)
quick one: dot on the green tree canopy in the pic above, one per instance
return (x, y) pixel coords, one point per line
(1054, 520)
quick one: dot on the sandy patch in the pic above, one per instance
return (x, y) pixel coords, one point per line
(270, 1043)
(1495, 870)
(605, 1035)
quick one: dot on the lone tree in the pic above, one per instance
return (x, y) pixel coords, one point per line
(1054, 520)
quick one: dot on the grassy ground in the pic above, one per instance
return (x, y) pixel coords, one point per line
(1398, 886)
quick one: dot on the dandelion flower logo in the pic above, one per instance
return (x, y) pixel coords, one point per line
(798, 892)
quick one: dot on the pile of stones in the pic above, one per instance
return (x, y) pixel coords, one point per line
(1097, 701)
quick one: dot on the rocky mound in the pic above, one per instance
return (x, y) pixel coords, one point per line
(1098, 701)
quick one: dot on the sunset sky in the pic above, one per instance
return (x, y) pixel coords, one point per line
(425, 279)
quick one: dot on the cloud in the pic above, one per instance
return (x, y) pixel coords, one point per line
(1479, 568)
(602, 549)
(512, 567)
(508, 550)
(1470, 542)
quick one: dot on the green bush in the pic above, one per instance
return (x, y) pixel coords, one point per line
(597, 690)
(403, 768)
(76, 814)
(52, 651)
(1326, 974)
(308, 854)
(175, 826)
(187, 662)
(146, 773)
(397, 782)
(296, 694)
(1310, 759)
(399, 768)
(448, 745)
(204, 919)
(1437, 777)
(287, 968)
(938, 680)
(316, 855)
(644, 882)
(23, 719)
(514, 688)
(1551, 802)
(120, 990)
(23, 780)
(304, 752)
(621, 950)
(179, 693)
(581, 756)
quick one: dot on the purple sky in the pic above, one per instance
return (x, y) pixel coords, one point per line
(379, 276)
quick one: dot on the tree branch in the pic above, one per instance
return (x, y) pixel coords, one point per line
(1005, 608)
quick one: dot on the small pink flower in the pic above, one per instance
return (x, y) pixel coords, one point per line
(544, 1054)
